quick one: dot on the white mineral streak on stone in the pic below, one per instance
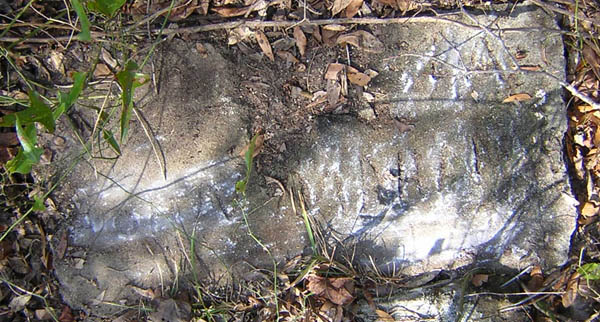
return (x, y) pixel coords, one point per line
(159, 212)
(407, 86)
(432, 82)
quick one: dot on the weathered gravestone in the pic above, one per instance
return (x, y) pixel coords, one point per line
(459, 178)
(463, 177)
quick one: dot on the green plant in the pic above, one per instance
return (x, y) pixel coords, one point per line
(590, 271)
(240, 186)
(38, 112)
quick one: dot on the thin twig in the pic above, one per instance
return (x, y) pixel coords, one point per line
(565, 12)
(154, 16)
(35, 25)
(96, 36)
(340, 21)
(153, 140)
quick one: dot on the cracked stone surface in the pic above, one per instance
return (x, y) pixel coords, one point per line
(457, 177)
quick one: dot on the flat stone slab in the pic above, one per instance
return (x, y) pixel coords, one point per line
(456, 177)
(463, 177)
(131, 228)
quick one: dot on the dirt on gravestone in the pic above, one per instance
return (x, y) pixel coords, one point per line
(129, 228)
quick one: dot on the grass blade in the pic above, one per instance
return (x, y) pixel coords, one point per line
(85, 34)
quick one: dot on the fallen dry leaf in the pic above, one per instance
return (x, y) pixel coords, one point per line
(230, 11)
(591, 57)
(589, 209)
(391, 3)
(333, 70)
(517, 98)
(584, 108)
(402, 5)
(335, 27)
(536, 281)
(108, 59)
(183, 11)
(384, 316)
(260, 6)
(531, 68)
(329, 36)
(18, 303)
(570, 294)
(597, 137)
(287, 56)
(521, 54)
(332, 289)
(258, 145)
(102, 71)
(318, 98)
(406, 5)
(338, 6)
(362, 40)
(56, 60)
(147, 293)
(203, 7)
(300, 40)
(201, 49)
(238, 34)
(339, 296)
(357, 78)
(353, 8)
(316, 33)
(316, 284)
(42, 314)
(371, 73)
(479, 279)
(263, 42)
(66, 315)
(18, 95)
(61, 249)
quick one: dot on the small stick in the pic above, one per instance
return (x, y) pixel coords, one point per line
(152, 140)
(565, 12)
(339, 21)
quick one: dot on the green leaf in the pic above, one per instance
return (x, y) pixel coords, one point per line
(590, 271)
(38, 203)
(110, 138)
(106, 7)
(85, 34)
(129, 81)
(37, 111)
(28, 138)
(240, 186)
(19, 164)
(65, 101)
(29, 154)
(41, 112)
